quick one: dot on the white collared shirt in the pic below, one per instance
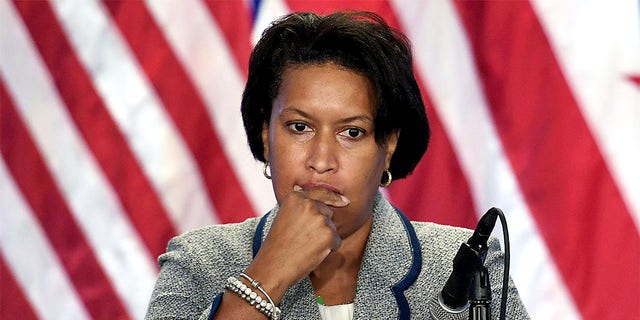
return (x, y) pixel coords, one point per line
(337, 312)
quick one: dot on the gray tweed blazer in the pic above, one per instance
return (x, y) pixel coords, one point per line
(405, 264)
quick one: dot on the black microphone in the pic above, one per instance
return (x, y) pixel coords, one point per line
(478, 240)
(480, 297)
(454, 297)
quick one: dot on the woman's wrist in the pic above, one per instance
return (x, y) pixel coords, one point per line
(273, 282)
(258, 298)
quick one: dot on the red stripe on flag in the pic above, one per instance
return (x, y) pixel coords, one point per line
(235, 22)
(13, 302)
(41, 193)
(185, 106)
(380, 7)
(437, 190)
(635, 79)
(561, 171)
(98, 128)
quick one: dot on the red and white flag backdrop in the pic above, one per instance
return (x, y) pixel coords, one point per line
(120, 127)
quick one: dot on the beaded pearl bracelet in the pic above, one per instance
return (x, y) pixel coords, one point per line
(265, 306)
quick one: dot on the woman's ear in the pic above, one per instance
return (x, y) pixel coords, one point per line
(390, 145)
(265, 140)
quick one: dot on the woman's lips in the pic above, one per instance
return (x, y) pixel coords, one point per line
(325, 186)
(321, 185)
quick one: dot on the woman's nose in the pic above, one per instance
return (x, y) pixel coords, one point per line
(322, 157)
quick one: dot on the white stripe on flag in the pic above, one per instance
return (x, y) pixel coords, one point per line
(448, 66)
(132, 102)
(201, 48)
(596, 59)
(268, 11)
(85, 189)
(34, 262)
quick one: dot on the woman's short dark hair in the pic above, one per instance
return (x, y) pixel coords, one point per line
(358, 41)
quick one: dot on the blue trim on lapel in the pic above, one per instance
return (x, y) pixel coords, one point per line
(257, 237)
(214, 306)
(416, 267)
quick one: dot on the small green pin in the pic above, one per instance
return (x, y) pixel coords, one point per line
(320, 300)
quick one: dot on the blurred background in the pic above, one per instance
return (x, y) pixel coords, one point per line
(120, 128)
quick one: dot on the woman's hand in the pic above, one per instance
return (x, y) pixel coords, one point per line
(301, 237)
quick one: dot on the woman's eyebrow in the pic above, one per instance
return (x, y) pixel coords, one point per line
(296, 111)
(362, 118)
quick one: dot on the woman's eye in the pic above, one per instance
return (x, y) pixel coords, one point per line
(299, 127)
(352, 133)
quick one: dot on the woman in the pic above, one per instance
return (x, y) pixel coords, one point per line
(332, 108)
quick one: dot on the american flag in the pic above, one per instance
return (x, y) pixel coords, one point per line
(120, 128)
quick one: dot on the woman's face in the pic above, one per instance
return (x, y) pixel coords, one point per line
(321, 133)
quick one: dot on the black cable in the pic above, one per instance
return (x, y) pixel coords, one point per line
(507, 258)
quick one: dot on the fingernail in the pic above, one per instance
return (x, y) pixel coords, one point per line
(297, 188)
(345, 199)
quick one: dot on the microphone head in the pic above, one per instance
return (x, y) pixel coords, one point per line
(478, 240)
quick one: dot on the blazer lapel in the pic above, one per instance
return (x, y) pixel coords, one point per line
(391, 263)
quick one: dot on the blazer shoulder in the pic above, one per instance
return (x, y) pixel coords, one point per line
(440, 243)
(223, 241)
(440, 234)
